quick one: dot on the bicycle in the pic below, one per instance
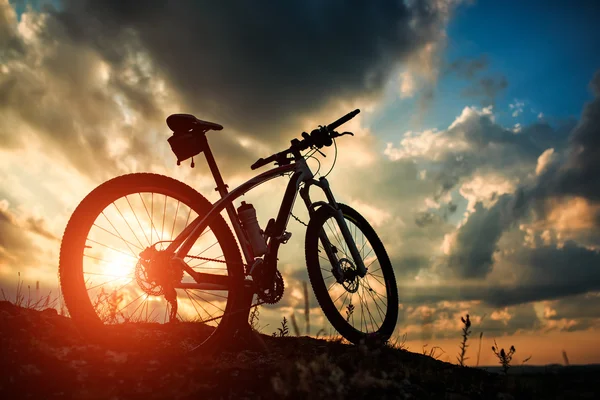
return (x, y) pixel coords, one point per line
(196, 273)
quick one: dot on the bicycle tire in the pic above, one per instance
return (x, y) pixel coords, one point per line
(314, 260)
(74, 241)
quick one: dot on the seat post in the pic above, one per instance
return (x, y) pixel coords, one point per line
(214, 169)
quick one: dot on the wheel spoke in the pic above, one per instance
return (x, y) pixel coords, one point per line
(112, 248)
(175, 219)
(370, 291)
(120, 237)
(138, 221)
(152, 228)
(127, 223)
(162, 227)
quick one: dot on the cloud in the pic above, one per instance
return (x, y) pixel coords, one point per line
(474, 142)
(573, 312)
(488, 88)
(517, 107)
(258, 68)
(544, 160)
(467, 68)
(575, 176)
(18, 247)
(441, 319)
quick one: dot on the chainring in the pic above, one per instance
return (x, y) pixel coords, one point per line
(271, 295)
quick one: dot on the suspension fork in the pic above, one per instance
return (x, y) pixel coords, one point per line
(339, 217)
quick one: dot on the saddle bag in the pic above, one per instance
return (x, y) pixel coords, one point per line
(187, 144)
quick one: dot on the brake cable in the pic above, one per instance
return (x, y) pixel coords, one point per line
(334, 159)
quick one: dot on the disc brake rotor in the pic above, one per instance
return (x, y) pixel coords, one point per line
(350, 282)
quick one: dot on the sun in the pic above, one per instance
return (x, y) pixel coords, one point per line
(119, 266)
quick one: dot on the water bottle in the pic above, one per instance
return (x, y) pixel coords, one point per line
(247, 215)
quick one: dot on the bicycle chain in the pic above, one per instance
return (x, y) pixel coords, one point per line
(298, 219)
(271, 296)
(215, 260)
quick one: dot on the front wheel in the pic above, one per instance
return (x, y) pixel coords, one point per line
(357, 307)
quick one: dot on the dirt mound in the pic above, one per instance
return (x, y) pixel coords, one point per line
(44, 357)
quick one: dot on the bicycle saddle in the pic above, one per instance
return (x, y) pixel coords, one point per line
(187, 122)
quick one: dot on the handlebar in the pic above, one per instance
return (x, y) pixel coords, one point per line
(343, 120)
(318, 138)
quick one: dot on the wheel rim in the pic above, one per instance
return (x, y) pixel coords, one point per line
(118, 285)
(362, 302)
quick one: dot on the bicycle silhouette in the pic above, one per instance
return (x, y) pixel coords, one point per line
(116, 266)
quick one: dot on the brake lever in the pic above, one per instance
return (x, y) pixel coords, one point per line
(346, 133)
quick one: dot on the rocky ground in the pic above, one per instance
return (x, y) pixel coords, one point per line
(44, 357)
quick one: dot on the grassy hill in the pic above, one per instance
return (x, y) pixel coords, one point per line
(43, 357)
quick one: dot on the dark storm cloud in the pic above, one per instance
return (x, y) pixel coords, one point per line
(577, 175)
(475, 244)
(545, 273)
(548, 272)
(580, 174)
(493, 148)
(579, 307)
(259, 66)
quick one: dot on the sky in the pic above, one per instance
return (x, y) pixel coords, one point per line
(475, 156)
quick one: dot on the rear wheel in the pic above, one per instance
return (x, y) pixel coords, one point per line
(359, 308)
(106, 283)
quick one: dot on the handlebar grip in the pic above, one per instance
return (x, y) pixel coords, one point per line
(343, 120)
(259, 163)
(263, 161)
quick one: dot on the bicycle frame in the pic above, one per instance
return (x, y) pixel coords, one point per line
(181, 245)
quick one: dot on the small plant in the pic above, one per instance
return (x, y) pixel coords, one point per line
(254, 314)
(479, 351)
(349, 311)
(463, 345)
(33, 304)
(283, 331)
(503, 357)
(399, 343)
(295, 324)
(107, 307)
(435, 352)
(565, 358)
(306, 308)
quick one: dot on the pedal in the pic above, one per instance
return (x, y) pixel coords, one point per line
(285, 236)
